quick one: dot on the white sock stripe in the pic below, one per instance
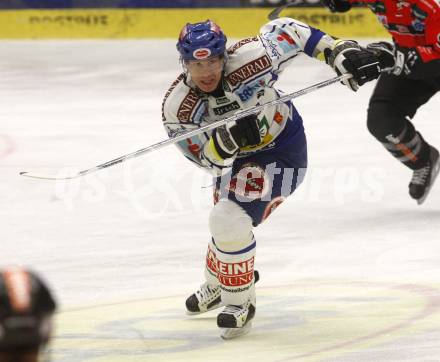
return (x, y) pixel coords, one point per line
(414, 152)
(416, 141)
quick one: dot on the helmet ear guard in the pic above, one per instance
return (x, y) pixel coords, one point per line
(201, 41)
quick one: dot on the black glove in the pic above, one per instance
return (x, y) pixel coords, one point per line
(403, 61)
(385, 52)
(337, 6)
(228, 140)
(407, 62)
(348, 57)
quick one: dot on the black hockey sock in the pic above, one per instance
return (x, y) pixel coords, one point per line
(408, 147)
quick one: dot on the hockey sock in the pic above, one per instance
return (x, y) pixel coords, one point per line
(408, 146)
(236, 273)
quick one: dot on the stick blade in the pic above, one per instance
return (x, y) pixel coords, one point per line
(46, 177)
(275, 13)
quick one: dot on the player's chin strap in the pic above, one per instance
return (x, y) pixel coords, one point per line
(188, 134)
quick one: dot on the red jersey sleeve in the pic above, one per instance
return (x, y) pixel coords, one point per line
(432, 30)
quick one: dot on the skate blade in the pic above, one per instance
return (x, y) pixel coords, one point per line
(436, 172)
(231, 333)
(187, 312)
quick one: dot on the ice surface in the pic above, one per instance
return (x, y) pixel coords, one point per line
(350, 265)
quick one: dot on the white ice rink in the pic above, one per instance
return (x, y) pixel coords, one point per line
(349, 265)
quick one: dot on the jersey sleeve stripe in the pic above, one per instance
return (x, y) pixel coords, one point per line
(313, 41)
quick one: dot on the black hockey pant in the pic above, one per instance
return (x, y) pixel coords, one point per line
(394, 102)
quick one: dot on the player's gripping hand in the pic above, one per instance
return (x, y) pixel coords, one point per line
(348, 57)
(402, 61)
(226, 140)
(408, 61)
(246, 132)
(386, 53)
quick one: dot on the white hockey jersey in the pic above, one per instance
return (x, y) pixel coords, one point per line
(252, 67)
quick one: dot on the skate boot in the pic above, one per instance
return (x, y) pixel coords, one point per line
(203, 300)
(236, 320)
(207, 298)
(424, 177)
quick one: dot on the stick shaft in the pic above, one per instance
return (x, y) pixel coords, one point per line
(275, 13)
(189, 134)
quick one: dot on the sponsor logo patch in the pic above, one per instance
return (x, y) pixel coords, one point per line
(249, 70)
(187, 106)
(221, 100)
(418, 25)
(271, 47)
(202, 53)
(250, 182)
(278, 117)
(280, 42)
(219, 111)
(194, 148)
(418, 13)
(211, 261)
(235, 274)
(239, 44)
(286, 37)
(247, 91)
(176, 130)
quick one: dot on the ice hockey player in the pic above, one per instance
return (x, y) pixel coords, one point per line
(413, 77)
(259, 160)
(26, 309)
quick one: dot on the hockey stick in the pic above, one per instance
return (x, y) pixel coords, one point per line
(275, 13)
(189, 134)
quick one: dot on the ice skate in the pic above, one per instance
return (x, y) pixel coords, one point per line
(236, 320)
(203, 300)
(424, 177)
(207, 298)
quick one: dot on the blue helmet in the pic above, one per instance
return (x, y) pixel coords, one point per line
(201, 40)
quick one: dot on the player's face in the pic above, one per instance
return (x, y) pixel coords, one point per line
(206, 74)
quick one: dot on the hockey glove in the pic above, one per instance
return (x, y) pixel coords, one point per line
(226, 140)
(348, 57)
(337, 6)
(406, 62)
(385, 52)
(402, 60)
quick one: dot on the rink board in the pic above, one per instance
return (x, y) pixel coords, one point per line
(166, 23)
